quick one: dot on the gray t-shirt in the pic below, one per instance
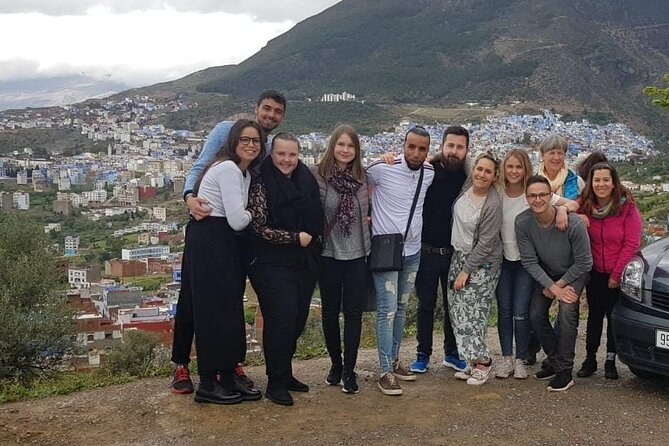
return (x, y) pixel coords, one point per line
(549, 254)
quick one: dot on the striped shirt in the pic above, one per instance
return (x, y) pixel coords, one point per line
(394, 187)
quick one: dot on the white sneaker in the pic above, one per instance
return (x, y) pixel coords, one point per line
(504, 368)
(519, 371)
(463, 375)
(480, 375)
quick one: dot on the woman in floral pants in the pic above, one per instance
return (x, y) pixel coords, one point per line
(477, 256)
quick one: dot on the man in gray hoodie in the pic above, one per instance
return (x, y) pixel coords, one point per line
(559, 262)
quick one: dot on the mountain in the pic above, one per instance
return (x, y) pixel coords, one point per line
(575, 55)
(56, 90)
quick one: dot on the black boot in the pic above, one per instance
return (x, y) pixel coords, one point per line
(610, 370)
(278, 394)
(211, 391)
(588, 367)
(234, 383)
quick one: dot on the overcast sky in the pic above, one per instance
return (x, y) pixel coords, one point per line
(138, 42)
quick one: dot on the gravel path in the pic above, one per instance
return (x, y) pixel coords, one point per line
(435, 410)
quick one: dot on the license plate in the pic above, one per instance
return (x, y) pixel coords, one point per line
(662, 339)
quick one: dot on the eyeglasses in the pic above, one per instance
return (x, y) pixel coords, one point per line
(543, 196)
(247, 140)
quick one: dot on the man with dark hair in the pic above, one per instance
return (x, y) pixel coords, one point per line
(450, 172)
(395, 186)
(269, 112)
(559, 262)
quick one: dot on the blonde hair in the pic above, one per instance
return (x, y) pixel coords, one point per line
(326, 165)
(522, 156)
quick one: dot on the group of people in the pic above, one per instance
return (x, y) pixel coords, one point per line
(480, 228)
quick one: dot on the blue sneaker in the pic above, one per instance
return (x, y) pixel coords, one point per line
(420, 365)
(453, 361)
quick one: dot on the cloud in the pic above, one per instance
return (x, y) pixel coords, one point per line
(265, 10)
(136, 48)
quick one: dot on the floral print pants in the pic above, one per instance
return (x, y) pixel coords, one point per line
(469, 308)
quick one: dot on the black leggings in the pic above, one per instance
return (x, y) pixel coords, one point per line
(601, 300)
(343, 284)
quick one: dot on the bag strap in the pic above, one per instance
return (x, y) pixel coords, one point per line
(415, 200)
(329, 227)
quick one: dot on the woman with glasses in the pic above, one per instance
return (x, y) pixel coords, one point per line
(346, 244)
(212, 274)
(514, 289)
(474, 270)
(287, 228)
(564, 182)
(614, 227)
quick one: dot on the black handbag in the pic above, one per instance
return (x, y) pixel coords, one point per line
(388, 249)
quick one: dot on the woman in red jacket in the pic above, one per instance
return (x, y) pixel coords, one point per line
(614, 227)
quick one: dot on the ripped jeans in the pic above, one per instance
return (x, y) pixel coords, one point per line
(392, 294)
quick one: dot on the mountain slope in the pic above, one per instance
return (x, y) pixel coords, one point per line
(594, 54)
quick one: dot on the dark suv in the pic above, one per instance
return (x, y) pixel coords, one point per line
(641, 320)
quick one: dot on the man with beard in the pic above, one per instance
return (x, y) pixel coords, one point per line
(269, 113)
(451, 168)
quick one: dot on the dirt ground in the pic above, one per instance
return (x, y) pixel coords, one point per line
(435, 410)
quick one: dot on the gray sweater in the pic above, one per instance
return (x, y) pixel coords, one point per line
(549, 254)
(337, 245)
(487, 246)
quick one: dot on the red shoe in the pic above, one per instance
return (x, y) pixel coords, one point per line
(248, 382)
(181, 383)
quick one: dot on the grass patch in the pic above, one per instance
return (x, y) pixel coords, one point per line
(61, 383)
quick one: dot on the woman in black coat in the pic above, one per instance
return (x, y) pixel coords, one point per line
(287, 227)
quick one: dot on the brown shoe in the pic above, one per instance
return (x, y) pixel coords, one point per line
(402, 373)
(388, 384)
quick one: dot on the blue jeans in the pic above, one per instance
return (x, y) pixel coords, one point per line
(392, 294)
(514, 293)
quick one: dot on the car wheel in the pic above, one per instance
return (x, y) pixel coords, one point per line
(644, 374)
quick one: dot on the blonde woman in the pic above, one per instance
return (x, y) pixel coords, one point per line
(514, 289)
(477, 256)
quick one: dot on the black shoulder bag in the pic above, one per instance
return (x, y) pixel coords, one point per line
(388, 249)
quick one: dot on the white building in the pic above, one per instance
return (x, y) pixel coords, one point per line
(78, 277)
(337, 97)
(95, 196)
(71, 245)
(21, 200)
(144, 253)
(64, 183)
(22, 177)
(52, 227)
(160, 213)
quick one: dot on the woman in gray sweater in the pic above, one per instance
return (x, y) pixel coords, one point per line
(477, 256)
(346, 244)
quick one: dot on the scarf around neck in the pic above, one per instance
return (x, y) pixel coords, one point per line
(346, 185)
(558, 183)
(604, 211)
(293, 203)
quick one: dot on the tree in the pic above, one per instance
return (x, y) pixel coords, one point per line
(660, 95)
(37, 327)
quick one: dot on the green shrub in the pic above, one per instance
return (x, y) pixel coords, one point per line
(36, 324)
(136, 356)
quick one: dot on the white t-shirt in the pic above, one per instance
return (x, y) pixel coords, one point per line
(511, 207)
(466, 214)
